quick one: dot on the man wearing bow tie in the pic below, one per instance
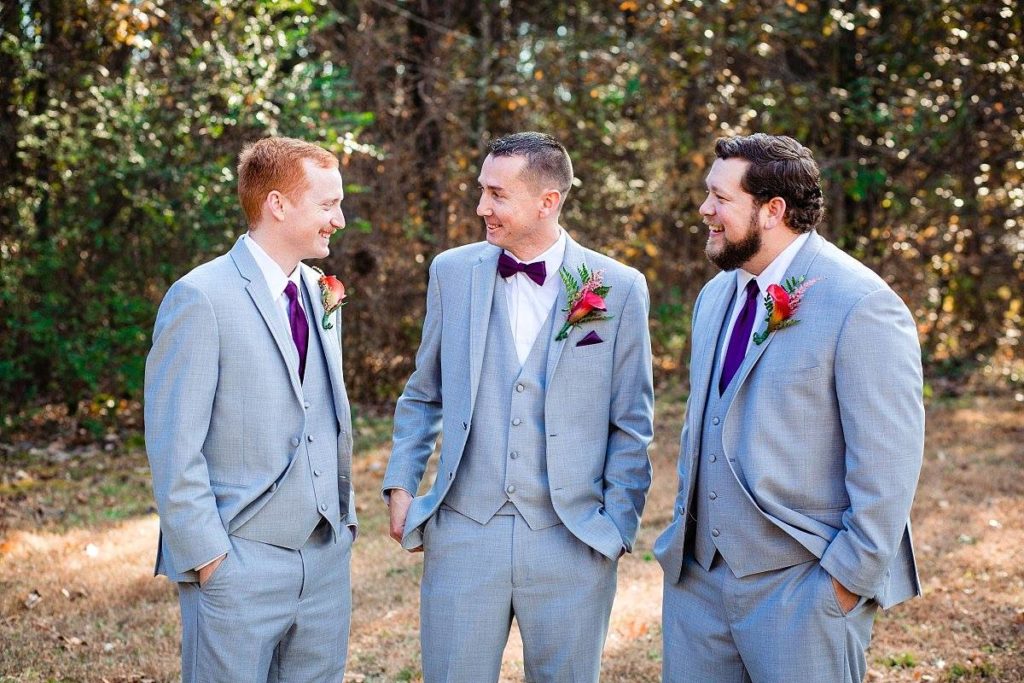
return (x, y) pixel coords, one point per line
(543, 469)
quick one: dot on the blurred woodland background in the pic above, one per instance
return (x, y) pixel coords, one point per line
(121, 122)
(120, 126)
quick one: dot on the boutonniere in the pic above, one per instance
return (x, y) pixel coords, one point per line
(332, 294)
(586, 298)
(781, 301)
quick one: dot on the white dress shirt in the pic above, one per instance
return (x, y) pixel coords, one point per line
(773, 274)
(275, 277)
(529, 303)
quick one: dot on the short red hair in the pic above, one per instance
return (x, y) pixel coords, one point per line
(275, 163)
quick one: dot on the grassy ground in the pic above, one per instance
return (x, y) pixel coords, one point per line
(78, 601)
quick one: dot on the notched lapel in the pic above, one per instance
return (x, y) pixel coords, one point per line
(256, 286)
(798, 268)
(719, 303)
(481, 294)
(328, 338)
(573, 258)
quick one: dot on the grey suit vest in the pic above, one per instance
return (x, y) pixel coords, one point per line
(505, 459)
(308, 489)
(727, 520)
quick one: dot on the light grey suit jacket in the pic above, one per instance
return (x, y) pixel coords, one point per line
(826, 429)
(598, 408)
(224, 407)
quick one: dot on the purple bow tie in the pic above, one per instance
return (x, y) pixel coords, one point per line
(508, 266)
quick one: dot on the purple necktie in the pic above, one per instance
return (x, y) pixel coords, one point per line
(740, 337)
(300, 326)
(508, 266)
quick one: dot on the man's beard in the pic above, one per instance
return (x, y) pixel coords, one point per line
(735, 254)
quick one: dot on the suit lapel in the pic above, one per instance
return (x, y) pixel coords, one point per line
(707, 329)
(573, 258)
(328, 338)
(256, 286)
(481, 294)
(798, 268)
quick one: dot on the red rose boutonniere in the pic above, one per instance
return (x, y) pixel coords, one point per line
(332, 294)
(781, 303)
(586, 299)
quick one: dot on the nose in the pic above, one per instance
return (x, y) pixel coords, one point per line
(706, 207)
(338, 221)
(482, 209)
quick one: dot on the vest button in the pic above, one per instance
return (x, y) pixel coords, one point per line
(714, 532)
(316, 473)
(520, 388)
(323, 507)
(306, 405)
(510, 489)
(712, 495)
(714, 457)
(513, 455)
(309, 438)
(715, 420)
(295, 441)
(516, 422)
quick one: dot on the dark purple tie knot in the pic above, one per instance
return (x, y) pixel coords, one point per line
(508, 266)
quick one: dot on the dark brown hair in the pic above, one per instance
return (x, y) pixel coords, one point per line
(779, 167)
(547, 162)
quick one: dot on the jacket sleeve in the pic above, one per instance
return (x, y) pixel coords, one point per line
(627, 472)
(181, 381)
(418, 412)
(878, 382)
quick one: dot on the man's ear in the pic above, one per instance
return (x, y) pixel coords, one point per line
(274, 203)
(549, 202)
(775, 212)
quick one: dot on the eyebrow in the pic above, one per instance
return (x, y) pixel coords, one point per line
(716, 189)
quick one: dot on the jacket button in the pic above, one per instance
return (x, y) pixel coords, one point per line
(514, 454)
(520, 388)
(712, 495)
(714, 457)
(516, 422)
(309, 438)
(714, 532)
(715, 420)
(316, 473)
(295, 441)
(510, 489)
(273, 487)
(323, 507)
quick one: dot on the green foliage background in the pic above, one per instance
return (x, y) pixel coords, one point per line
(120, 124)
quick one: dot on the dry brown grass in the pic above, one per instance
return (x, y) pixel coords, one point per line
(103, 616)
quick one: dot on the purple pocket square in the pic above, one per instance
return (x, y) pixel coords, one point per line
(591, 338)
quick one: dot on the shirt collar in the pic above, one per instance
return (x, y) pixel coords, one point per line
(776, 270)
(552, 257)
(272, 273)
